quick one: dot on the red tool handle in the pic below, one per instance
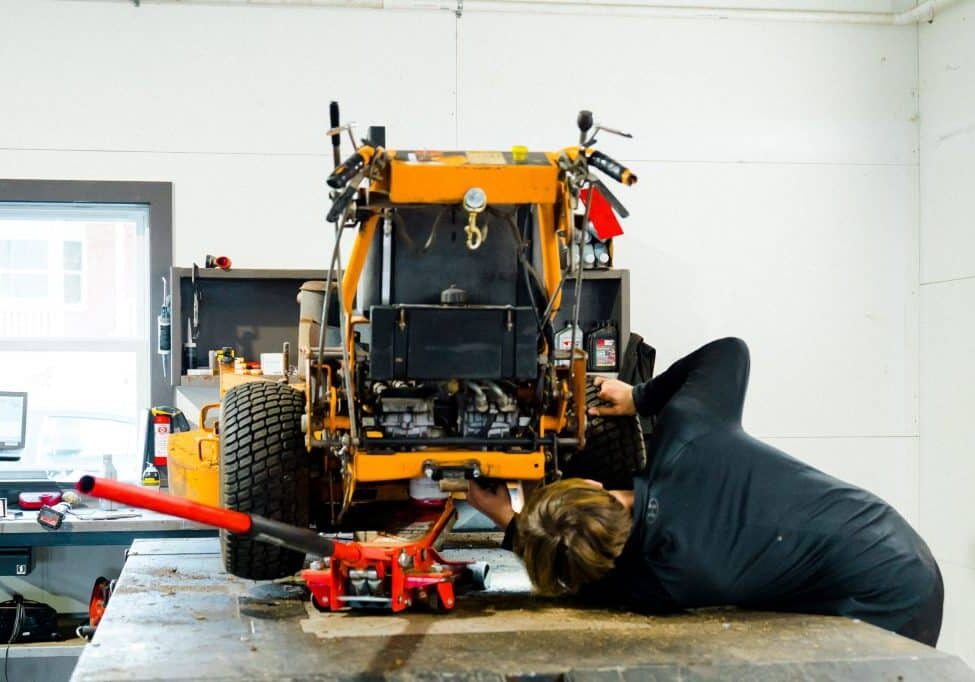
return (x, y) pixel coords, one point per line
(239, 523)
(135, 496)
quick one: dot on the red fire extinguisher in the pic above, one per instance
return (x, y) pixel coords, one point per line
(162, 422)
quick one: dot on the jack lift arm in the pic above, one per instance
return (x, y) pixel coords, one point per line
(389, 573)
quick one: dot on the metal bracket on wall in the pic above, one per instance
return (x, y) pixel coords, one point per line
(459, 12)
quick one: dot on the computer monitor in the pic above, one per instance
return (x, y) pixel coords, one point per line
(13, 422)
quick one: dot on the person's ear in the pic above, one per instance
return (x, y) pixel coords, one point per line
(594, 484)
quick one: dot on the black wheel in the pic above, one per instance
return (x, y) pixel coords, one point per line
(434, 603)
(263, 470)
(614, 450)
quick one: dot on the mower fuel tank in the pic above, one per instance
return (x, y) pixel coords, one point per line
(433, 342)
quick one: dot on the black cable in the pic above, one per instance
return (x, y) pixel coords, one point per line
(530, 273)
(323, 330)
(577, 304)
(14, 633)
(531, 298)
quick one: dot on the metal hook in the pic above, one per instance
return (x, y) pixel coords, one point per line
(474, 235)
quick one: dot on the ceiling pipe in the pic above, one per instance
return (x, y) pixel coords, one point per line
(925, 11)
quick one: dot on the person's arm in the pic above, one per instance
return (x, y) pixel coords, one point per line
(492, 499)
(715, 376)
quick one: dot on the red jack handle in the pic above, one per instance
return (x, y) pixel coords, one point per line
(238, 523)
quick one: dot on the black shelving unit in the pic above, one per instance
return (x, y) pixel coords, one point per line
(254, 311)
(605, 296)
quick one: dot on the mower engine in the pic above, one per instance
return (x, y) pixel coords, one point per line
(468, 409)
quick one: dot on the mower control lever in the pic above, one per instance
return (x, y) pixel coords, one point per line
(333, 113)
(341, 203)
(584, 121)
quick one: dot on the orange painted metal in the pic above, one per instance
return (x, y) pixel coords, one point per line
(579, 358)
(549, 243)
(434, 177)
(374, 467)
(357, 260)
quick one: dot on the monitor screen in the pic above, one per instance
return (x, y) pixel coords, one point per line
(13, 420)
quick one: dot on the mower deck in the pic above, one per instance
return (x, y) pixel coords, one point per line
(176, 616)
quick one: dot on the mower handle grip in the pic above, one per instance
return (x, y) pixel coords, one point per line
(611, 167)
(333, 119)
(346, 171)
(333, 114)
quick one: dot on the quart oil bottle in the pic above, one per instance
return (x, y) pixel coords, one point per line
(563, 340)
(603, 348)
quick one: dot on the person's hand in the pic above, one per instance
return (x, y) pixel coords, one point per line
(491, 498)
(617, 394)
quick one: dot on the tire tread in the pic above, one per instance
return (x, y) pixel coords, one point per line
(263, 470)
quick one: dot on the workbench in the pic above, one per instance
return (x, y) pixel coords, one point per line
(176, 615)
(89, 526)
(65, 564)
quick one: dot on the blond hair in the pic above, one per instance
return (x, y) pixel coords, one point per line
(570, 534)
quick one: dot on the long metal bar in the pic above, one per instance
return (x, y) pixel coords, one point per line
(124, 493)
(238, 523)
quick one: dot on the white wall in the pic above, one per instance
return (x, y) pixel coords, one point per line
(947, 80)
(778, 160)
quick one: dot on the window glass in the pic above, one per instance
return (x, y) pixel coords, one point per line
(23, 254)
(72, 256)
(74, 319)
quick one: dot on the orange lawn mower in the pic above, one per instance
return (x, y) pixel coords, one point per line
(428, 362)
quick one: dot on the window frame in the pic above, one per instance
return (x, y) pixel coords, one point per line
(158, 198)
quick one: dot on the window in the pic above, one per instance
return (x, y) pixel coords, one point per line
(75, 297)
(41, 271)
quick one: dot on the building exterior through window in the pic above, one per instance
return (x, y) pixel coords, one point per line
(74, 300)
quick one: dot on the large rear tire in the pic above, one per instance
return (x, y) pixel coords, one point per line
(614, 452)
(263, 470)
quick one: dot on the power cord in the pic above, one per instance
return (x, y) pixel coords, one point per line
(14, 633)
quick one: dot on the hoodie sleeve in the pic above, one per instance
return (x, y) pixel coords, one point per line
(713, 378)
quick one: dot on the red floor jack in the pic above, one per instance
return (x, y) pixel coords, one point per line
(391, 572)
